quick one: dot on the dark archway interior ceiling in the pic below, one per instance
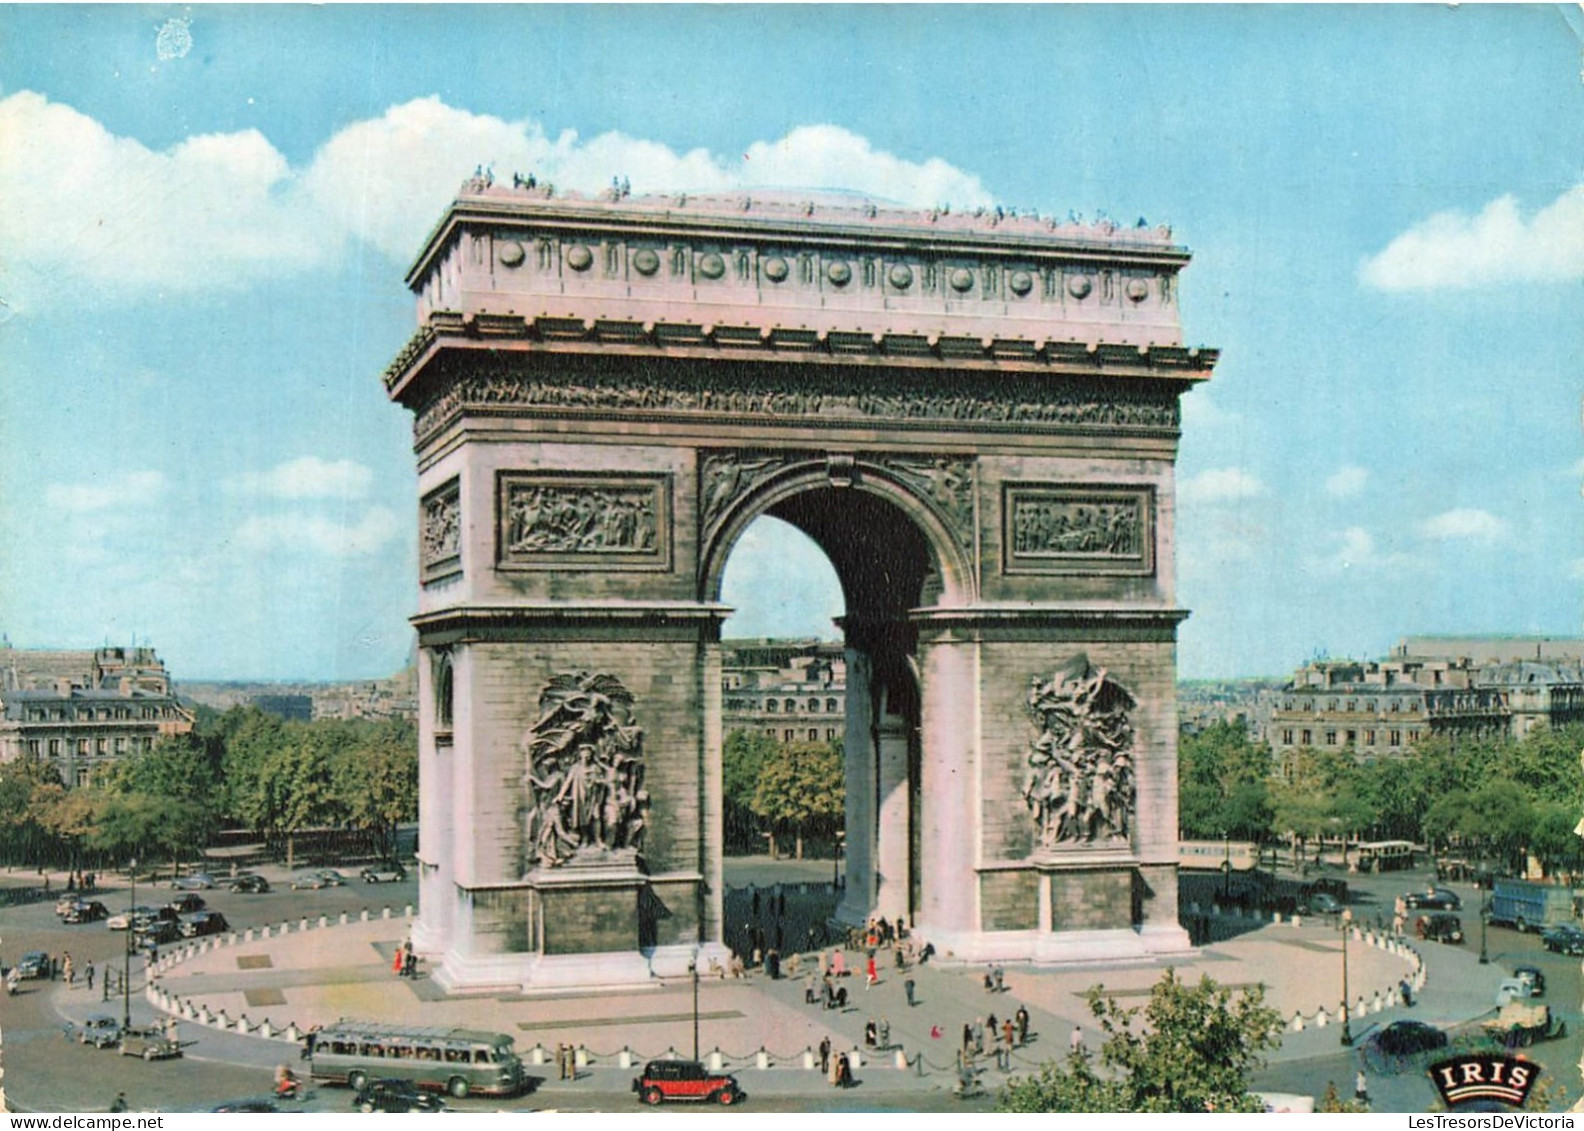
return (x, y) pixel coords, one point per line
(878, 553)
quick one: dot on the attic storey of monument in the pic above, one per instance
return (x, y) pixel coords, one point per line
(976, 418)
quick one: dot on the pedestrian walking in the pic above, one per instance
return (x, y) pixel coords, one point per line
(989, 981)
(1075, 1042)
(844, 1076)
(1000, 980)
(398, 962)
(908, 988)
(994, 1025)
(1006, 1034)
(885, 1034)
(967, 1042)
(825, 1051)
(871, 1033)
(68, 971)
(871, 974)
(1361, 1088)
(90, 974)
(1022, 1025)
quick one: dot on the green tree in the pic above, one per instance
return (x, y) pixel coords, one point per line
(743, 758)
(801, 792)
(375, 780)
(1223, 784)
(1189, 1049)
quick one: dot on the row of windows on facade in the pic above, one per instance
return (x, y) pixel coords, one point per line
(140, 744)
(1393, 738)
(790, 735)
(786, 706)
(90, 714)
(1392, 705)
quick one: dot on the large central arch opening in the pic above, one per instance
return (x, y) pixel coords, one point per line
(854, 649)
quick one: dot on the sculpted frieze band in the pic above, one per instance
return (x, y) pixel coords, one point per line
(819, 398)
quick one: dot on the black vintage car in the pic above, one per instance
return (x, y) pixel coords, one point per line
(1439, 928)
(395, 1095)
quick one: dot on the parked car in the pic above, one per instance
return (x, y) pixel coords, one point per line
(204, 923)
(198, 881)
(156, 932)
(1439, 928)
(84, 911)
(1404, 1038)
(1533, 976)
(395, 1095)
(34, 964)
(685, 1080)
(122, 921)
(101, 1031)
(331, 878)
(187, 903)
(1436, 899)
(153, 1043)
(249, 884)
(383, 874)
(1564, 939)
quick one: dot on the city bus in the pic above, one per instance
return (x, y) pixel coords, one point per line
(1385, 855)
(460, 1062)
(1211, 855)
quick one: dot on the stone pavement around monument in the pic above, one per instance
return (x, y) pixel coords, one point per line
(298, 978)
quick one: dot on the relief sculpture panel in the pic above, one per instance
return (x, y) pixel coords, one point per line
(1080, 786)
(440, 533)
(585, 771)
(605, 522)
(1050, 528)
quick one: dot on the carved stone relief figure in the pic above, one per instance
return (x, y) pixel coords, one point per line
(947, 482)
(442, 527)
(725, 476)
(546, 518)
(1081, 786)
(586, 795)
(1044, 525)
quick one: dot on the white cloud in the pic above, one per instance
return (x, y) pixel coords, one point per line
(388, 178)
(1466, 523)
(83, 205)
(307, 478)
(1221, 484)
(129, 489)
(1452, 250)
(1347, 482)
(317, 534)
(1356, 552)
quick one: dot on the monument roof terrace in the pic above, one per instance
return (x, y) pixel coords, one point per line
(787, 275)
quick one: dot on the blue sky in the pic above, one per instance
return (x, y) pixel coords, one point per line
(208, 213)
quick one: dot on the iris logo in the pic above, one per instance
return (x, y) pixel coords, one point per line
(1484, 1078)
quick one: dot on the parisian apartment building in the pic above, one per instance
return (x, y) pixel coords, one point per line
(78, 711)
(1454, 686)
(789, 690)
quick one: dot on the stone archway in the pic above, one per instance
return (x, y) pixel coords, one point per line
(975, 417)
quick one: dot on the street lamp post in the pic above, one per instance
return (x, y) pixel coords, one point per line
(693, 972)
(126, 965)
(1347, 1010)
(1484, 958)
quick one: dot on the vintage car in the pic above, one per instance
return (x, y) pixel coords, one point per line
(685, 1080)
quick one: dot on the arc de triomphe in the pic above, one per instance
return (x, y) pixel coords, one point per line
(976, 417)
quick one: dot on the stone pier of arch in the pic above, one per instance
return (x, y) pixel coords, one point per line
(975, 417)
